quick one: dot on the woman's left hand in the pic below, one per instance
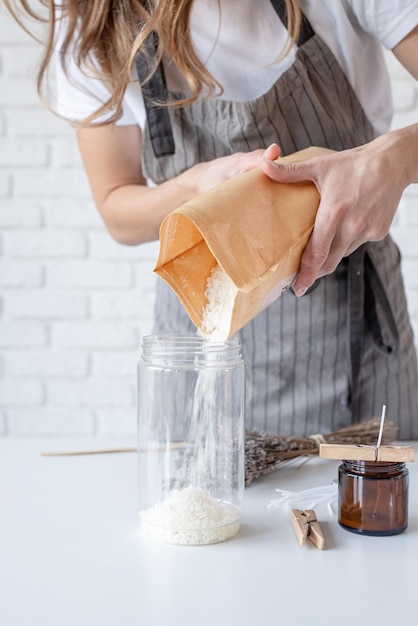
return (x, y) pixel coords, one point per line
(360, 191)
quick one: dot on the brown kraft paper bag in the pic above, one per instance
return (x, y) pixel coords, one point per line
(253, 228)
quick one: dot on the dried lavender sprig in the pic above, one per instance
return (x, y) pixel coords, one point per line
(267, 452)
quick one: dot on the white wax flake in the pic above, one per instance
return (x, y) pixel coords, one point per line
(220, 293)
(190, 516)
(307, 498)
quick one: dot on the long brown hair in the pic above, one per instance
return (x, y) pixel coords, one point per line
(104, 36)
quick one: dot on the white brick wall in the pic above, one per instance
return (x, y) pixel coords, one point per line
(73, 303)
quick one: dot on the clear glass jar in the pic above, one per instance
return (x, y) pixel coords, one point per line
(373, 497)
(191, 438)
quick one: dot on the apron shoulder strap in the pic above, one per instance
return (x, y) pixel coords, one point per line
(155, 91)
(306, 30)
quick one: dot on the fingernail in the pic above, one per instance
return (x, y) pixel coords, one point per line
(300, 291)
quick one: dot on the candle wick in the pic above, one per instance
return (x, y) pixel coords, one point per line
(382, 421)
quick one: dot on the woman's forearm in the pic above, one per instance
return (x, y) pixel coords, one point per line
(133, 213)
(403, 148)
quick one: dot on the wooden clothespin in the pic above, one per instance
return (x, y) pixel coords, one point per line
(358, 452)
(307, 527)
(362, 452)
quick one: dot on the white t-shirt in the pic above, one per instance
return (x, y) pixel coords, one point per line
(241, 47)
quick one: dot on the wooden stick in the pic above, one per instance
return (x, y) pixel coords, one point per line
(86, 452)
(171, 446)
(360, 452)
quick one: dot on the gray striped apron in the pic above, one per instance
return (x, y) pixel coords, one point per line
(335, 356)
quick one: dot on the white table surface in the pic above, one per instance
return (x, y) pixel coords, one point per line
(72, 554)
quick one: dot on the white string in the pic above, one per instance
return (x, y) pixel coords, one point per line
(382, 421)
(307, 498)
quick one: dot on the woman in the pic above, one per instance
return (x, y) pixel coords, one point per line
(172, 99)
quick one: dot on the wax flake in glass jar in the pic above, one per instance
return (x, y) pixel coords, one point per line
(190, 516)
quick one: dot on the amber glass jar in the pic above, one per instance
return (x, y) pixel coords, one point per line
(373, 497)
